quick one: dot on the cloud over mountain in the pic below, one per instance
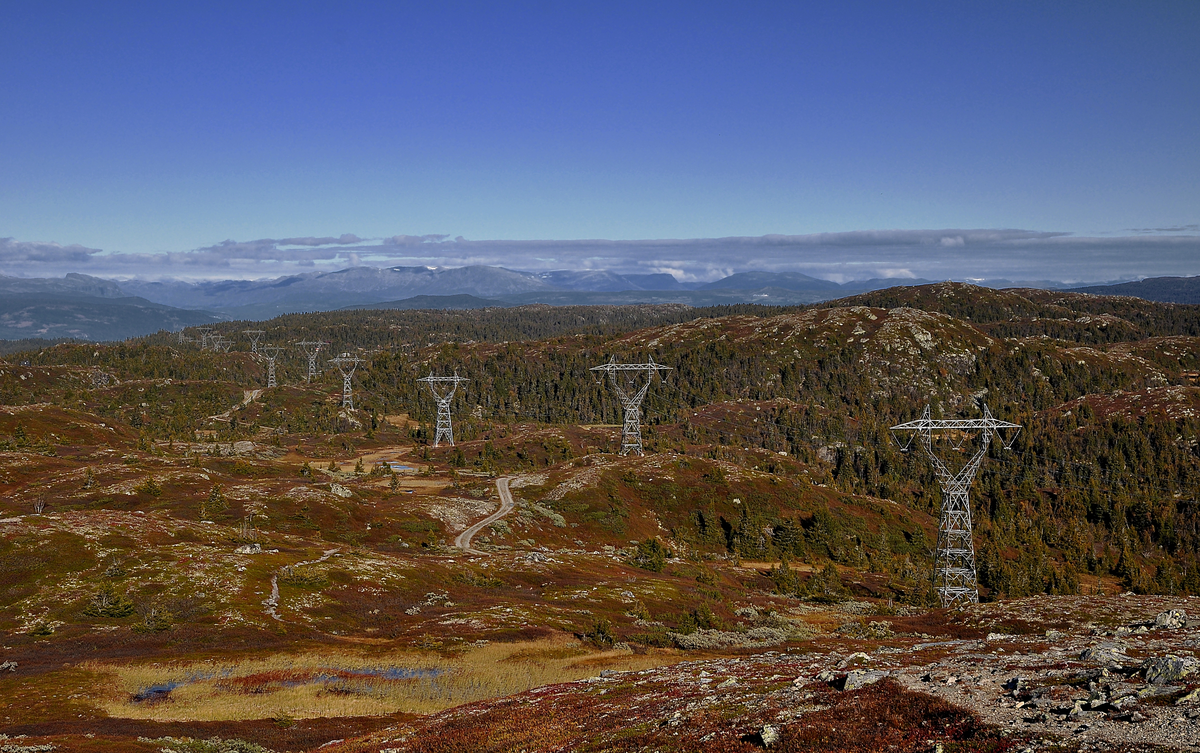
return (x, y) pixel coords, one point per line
(935, 254)
(14, 252)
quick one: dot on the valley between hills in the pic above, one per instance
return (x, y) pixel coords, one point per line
(191, 560)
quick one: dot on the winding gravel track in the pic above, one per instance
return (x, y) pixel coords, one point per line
(463, 541)
(248, 396)
(272, 602)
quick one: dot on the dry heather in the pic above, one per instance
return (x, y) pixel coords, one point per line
(341, 683)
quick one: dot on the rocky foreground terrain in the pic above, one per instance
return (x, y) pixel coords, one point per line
(1047, 673)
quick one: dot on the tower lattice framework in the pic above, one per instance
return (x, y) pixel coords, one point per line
(954, 575)
(631, 399)
(270, 353)
(443, 389)
(255, 335)
(346, 364)
(311, 348)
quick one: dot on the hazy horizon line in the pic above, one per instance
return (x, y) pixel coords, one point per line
(1008, 254)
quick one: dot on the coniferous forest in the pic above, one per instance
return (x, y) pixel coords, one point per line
(1101, 481)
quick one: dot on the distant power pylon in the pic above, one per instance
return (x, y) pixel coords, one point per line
(346, 364)
(954, 577)
(631, 401)
(443, 389)
(254, 335)
(311, 348)
(270, 353)
(204, 337)
(220, 343)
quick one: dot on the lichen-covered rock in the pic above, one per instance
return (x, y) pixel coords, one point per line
(854, 659)
(340, 490)
(1172, 619)
(1077, 712)
(769, 735)
(860, 678)
(1109, 655)
(1169, 669)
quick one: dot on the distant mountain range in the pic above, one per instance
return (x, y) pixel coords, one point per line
(366, 287)
(1161, 289)
(84, 317)
(91, 308)
(324, 291)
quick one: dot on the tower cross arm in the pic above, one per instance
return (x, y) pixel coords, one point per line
(611, 366)
(449, 385)
(928, 424)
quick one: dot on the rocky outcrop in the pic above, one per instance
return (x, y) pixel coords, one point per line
(1172, 619)
(1169, 669)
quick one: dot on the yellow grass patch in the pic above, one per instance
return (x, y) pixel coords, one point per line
(344, 683)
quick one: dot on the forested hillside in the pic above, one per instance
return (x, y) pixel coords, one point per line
(1101, 483)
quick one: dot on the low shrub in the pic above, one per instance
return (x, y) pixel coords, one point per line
(211, 745)
(651, 555)
(149, 486)
(759, 637)
(108, 602)
(860, 628)
(601, 635)
(700, 618)
(155, 619)
(654, 638)
(825, 587)
(302, 579)
(477, 579)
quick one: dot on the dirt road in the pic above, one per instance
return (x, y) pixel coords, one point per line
(506, 505)
(248, 396)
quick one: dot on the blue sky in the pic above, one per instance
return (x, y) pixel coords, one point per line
(163, 127)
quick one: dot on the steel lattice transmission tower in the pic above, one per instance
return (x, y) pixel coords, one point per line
(254, 335)
(311, 348)
(220, 343)
(443, 389)
(346, 364)
(631, 401)
(270, 353)
(204, 336)
(954, 578)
